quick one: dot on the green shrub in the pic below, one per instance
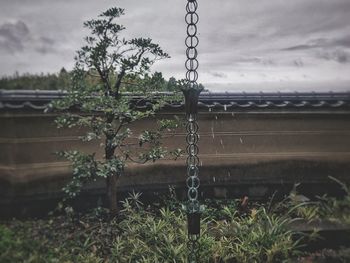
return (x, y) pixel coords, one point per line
(322, 208)
(146, 237)
(17, 248)
(258, 237)
(144, 234)
(6, 239)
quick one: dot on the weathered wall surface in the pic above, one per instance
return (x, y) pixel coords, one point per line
(243, 152)
(227, 141)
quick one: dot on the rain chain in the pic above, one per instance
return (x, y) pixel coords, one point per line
(191, 92)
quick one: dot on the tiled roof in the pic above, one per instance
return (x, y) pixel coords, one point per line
(37, 100)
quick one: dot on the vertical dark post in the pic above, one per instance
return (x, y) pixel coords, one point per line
(191, 91)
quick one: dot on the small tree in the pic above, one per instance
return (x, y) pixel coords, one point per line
(98, 100)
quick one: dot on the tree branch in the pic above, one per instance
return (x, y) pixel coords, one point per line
(118, 83)
(104, 79)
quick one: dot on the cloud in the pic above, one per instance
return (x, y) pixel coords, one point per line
(302, 18)
(298, 47)
(340, 56)
(266, 40)
(218, 75)
(298, 63)
(16, 37)
(343, 41)
(325, 48)
(13, 36)
(45, 45)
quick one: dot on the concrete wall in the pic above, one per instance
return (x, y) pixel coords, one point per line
(252, 152)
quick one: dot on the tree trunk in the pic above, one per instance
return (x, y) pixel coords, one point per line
(112, 194)
(111, 181)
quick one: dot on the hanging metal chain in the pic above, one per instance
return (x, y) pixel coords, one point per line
(192, 182)
(191, 42)
(191, 93)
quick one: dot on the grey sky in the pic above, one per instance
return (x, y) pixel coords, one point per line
(244, 44)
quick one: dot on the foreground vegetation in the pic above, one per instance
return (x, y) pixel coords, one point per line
(144, 234)
(232, 231)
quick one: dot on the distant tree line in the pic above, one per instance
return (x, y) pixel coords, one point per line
(62, 81)
(37, 81)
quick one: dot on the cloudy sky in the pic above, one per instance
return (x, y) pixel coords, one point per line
(244, 44)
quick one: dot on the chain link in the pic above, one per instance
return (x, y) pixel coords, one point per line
(191, 43)
(192, 162)
(192, 183)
